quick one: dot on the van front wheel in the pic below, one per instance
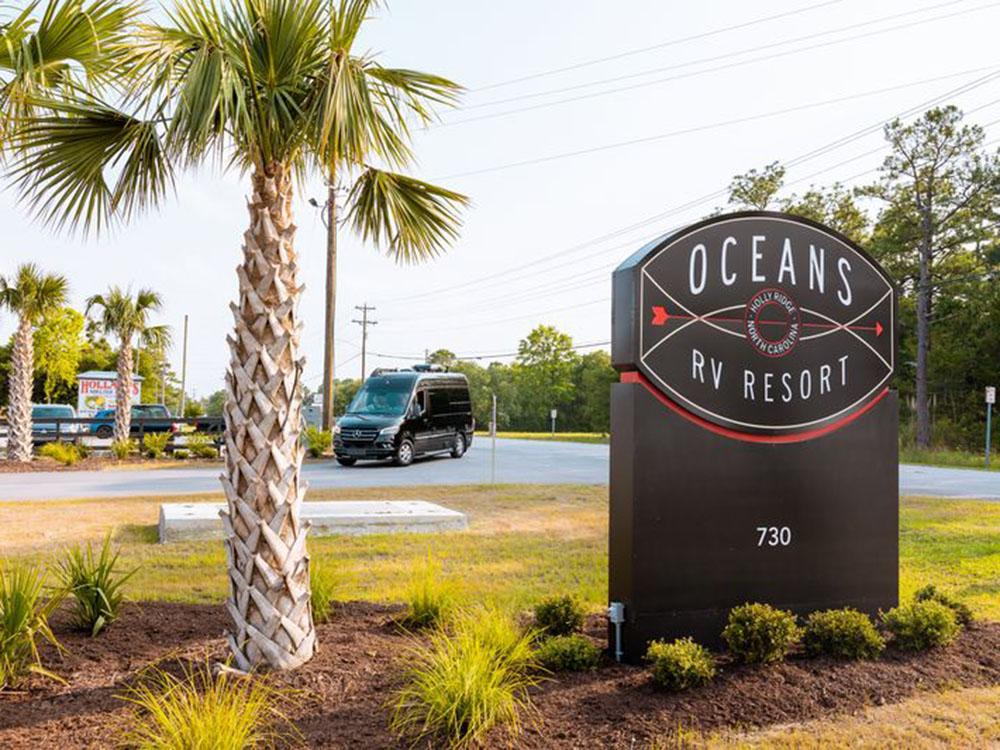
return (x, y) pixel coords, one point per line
(458, 448)
(404, 453)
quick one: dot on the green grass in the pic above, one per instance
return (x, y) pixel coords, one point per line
(525, 543)
(559, 437)
(946, 457)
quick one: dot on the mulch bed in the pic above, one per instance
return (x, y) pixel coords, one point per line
(97, 463)
(348, 683)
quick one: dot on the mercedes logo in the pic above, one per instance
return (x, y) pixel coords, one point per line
(357, 433)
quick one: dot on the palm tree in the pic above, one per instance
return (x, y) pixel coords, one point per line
(273, 88)
(71, 45)
(30, 295)
(127, 318)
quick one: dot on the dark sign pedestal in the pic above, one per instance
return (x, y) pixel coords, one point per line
(687, 507)
(754, 453)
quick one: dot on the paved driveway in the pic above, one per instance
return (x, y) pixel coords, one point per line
(518, 461)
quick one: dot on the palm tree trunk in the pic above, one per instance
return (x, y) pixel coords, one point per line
(264, 537)
(123, 391)
(21, 381)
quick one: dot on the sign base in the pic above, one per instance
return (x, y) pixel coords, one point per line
(701, 522)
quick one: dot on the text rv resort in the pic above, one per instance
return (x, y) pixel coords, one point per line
(769, 313)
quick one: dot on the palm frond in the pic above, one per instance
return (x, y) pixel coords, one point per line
(31, 293)
(409, 218)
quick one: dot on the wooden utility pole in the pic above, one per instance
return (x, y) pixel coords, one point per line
(364, 323)
(184, 367)
(331, 303)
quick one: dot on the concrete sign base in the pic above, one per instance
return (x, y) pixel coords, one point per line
(184, 522)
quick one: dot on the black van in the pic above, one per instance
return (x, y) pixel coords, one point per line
(401, 414)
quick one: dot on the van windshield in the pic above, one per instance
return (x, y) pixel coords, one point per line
(388, 396)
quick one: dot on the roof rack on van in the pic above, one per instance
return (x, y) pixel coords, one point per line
(415, 368)
(429, 368)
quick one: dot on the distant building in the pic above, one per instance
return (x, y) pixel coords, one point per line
(96, 391)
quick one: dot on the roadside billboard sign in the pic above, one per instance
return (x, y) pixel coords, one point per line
(96, 390)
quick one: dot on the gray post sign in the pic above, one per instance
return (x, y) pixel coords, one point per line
(754, 433)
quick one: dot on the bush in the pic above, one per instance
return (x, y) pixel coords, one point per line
(181, 454)
(461, 684)
(155, 443)
(842, 633)
(122, 449)
(24, 622)
(681, 664)
(559, 615)
(568, 653)
(930, 593)
(921, 625)
(760, 633)
(200, 445)
(95, 583)
(318, 441)
(199, 710)
(429, 598)
(65, 453)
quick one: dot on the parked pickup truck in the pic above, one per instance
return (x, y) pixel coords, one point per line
(145, 418)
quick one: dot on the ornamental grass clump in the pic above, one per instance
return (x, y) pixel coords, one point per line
(24, 623)
(466, 680)
(318, 442)
(122, 449)
(65, 453)
(201, 710)
(567, 653)
(96, 584)
(843, 634)
(429, 599)
(323, 586)
(560, 615)
(680, 664)
(963, 613)
(760, 633)
(919, 626)
(154, 444)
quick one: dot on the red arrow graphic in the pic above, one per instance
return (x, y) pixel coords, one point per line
(661, 316)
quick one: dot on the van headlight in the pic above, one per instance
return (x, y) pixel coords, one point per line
(388, 431)
(336, 429)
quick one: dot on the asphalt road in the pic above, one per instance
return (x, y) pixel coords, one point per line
(517, 461)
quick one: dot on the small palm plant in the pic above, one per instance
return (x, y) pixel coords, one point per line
(275, 89)
(96, 584)
(24, 623)
(127, 317)
(30, 294)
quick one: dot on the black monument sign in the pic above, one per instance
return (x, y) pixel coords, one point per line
(754, 435)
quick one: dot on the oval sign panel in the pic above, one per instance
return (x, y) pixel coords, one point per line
(757, 325)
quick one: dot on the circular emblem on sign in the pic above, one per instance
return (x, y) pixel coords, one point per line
(772, 322)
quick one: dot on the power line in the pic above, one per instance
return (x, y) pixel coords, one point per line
(468, 357)
(661, 45)
(714, 69)
(702, 128)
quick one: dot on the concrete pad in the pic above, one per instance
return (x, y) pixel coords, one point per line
(185, 522)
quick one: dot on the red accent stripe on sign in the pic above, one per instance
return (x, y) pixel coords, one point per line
(748, 437)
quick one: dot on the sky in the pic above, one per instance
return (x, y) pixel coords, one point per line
(587, 128)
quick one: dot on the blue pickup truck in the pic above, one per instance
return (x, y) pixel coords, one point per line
(145, 418)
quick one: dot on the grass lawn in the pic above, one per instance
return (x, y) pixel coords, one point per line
(524, 542)
(559, 437)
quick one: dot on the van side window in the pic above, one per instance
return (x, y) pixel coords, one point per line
(439, 401)
(421, 401)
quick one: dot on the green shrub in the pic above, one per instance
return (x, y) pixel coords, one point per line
(559, 615)
(461, 683)
(65, 453)
(921, 625)
(181, 454)
(428, 598)
(122, 449)
(760, 633)
(318, 441)
(200, 445)
(154, 444)
(930, 593)
(199, 710)
(96, 584)
(842, 633)
(680, 664)
(568, 653)
(24, 622)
